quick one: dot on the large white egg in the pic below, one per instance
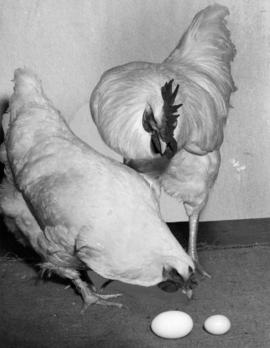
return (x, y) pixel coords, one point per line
(217, 324)
(172, 324)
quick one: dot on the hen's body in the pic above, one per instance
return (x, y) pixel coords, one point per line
(127, 95)
(87, 211)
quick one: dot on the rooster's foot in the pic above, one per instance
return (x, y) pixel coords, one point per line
(201, 270)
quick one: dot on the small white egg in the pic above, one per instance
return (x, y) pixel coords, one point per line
(172, 324)
(217, 324)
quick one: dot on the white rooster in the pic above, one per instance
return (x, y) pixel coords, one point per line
(78, 209)
(167, 119)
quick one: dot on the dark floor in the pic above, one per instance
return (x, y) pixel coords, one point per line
(47, 314)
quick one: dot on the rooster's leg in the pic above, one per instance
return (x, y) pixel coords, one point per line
(90, 297)
(192, 243)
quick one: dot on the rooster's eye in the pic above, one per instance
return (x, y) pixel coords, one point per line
(148, 121)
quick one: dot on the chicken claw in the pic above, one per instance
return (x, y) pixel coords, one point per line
(90, 297)
(198, 267)
(93, 298)
(201, 270)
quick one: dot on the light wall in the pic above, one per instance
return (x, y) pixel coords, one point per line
(69, 43)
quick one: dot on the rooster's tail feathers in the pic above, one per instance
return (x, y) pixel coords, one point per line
(204, 56)
(207, 47)
(206, 43)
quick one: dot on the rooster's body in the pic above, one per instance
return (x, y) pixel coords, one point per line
(77, 208)
(167, 119)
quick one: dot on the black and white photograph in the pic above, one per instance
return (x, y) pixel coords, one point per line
(134, 174)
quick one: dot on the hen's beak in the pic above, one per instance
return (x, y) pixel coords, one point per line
(175, 281)
(188, 292)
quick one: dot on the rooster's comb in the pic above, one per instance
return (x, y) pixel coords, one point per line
(169, 121)
(169, 96)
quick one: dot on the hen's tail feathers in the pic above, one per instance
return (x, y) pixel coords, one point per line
(27, 91)
(204, 55)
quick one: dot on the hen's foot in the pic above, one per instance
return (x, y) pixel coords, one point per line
(94, 298)
(90, 297)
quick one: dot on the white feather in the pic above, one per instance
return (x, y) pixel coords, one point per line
(89, 209)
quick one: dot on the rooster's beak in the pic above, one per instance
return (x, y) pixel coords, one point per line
(158, 146)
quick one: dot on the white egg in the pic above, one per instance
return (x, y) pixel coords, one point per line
(172, 324)
(217, 324)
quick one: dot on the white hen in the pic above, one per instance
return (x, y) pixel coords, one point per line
(77, 208)
(134, 107)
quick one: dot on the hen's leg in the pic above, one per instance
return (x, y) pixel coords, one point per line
(192, 243)
(85, 277)
(90, 297)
